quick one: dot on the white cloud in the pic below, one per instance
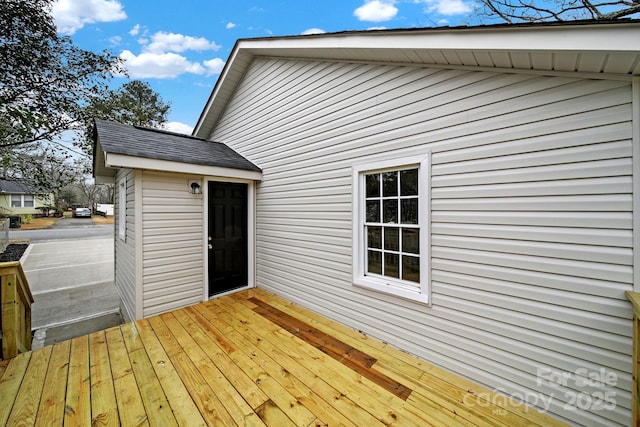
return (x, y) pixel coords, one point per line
(161, 57)
(159, 65)
(214, 66)
(172, 42)
(178, 127)
(448, 7)
(230, 25)
(135, 30)
(376, 10)
(115, 40)
(71, 15)
(313, 31)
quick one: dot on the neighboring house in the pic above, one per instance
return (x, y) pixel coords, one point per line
(20, 198)
(468, 195)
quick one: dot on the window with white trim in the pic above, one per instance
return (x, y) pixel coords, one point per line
(22, 201)
(391, 227)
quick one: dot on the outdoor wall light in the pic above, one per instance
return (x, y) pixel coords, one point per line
(195, 188)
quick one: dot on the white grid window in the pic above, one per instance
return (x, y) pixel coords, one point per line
(391, 227)
(392, 230)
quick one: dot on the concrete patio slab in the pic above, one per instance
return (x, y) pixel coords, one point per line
(72, 285)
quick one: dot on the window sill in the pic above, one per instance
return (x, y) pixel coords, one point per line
(394, 289)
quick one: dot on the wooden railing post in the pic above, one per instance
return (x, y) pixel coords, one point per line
(15, 316)
(634, 297)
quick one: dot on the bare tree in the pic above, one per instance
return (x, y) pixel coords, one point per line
(522, 11)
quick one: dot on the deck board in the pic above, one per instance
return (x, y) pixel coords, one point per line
(51, 408)
(104, 409)
(173, 389)
(250, 358)
(78, 397)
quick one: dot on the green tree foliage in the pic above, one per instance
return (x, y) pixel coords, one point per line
(45, 80)
(134, 103)
(522, 11)
(45, 84)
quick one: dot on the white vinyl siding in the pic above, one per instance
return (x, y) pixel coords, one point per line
(173, 234)
(531, 215)
(125, 248)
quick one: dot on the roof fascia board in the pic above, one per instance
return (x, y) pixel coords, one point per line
(114, 160)
(219, 84)
(585, 38)
(98, 157)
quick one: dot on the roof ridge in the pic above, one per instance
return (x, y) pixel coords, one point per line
(162, 131)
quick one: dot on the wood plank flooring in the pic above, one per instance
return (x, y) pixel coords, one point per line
(245, 359)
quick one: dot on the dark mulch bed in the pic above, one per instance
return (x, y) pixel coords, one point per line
(13, 252)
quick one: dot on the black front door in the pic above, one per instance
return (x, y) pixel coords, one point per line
(228, 249)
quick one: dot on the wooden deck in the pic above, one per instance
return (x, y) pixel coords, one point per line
(245, 359)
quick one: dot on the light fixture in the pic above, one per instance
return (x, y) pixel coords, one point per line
(195, 188)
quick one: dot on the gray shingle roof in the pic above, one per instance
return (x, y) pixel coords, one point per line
(157, 144)
(17, 187)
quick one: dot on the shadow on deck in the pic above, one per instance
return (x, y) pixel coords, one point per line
(248, 358)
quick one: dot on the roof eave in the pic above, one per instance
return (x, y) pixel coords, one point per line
(115, 161)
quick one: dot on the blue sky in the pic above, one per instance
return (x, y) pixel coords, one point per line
(181, 47)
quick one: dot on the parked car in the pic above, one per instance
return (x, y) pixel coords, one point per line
(81, 213)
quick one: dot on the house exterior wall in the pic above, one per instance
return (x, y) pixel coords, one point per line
(125, 255)
(39, 201)
(531, 215)
(172, 243)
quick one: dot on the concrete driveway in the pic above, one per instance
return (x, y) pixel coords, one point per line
(72, 285)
